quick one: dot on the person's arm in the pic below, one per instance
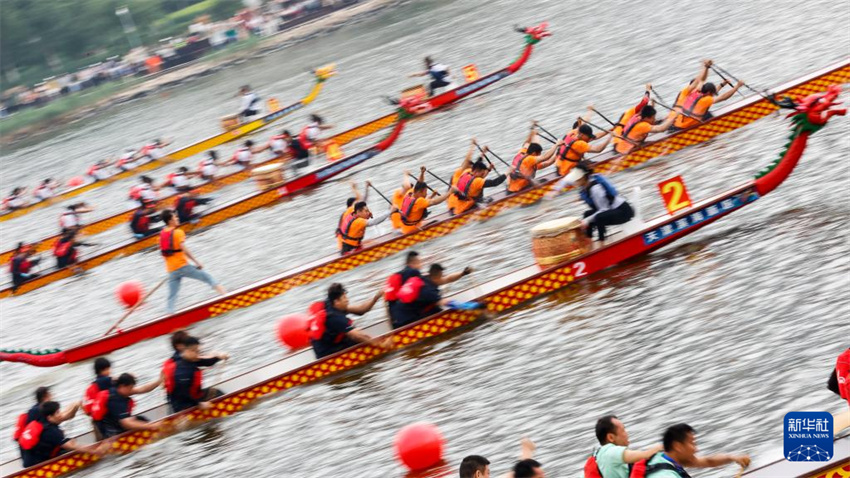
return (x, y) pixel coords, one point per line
(69, 412)
(532, 135)
(133, 424)
(634, 456)
(360, 336)
(549, 157)
(363, 307)
(663, 126)
(421, 178)
(527, 449)
(467, 160)
(405, 182)
(383, 217)
(85, 209)
(449, 278)
(489, 183)
(442, 197)
(713, 461)
(598, 147)
(148, 387)
(421, 73)
(357, 196)
(727, 94)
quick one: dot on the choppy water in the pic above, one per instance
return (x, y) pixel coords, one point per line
(727, 330)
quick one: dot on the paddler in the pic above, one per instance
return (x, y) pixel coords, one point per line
(65, 249)
(185, 203)
(420, 296)
(638, 128)
(154, 151)
(331, 330)
(607, 207)
(208, 166)
(140, 222)
(398, 198)
(469, 190)
(310, 135)
(352, 228)
(395, 282)
(249, 103)
(103, 382)
(42, 396)
(350, 202)
(439, 74)
(178, 180)
(571, 149)
(277, 144)
(116, 415)
(183, 377)
(16, 200)
(146, 190)
(43, 440)
(127, 160)
(627, 115)
(98, 171)
(528, 161)
(680, 451)
(242, 156)
(45, 190)
(172, 246)
(298, 153)
(414, 206)
(613, 458)
(696, 99)
(70, 219)
(22, 264)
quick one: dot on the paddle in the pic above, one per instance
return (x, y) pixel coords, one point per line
(484, 155)
(661, 102)
(603, 116)
(552, 138)
(612, 133)
(132, 309)
(717, 69)
(380, 194)
(438, 179)
(726, 79)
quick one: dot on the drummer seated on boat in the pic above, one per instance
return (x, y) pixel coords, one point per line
(183, 377)
(607, 207)
(117, 409)
(420, 296)
(469, 190)
(638, 128)
(570, 150)
(695, 99)
(528, 161)
(352, 228)
(331, 330)
(439, 74)
(249, 103)
(414, 206)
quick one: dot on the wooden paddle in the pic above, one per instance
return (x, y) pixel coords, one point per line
(603, 117)
(132, 309)
(380, 194)
(727, 80)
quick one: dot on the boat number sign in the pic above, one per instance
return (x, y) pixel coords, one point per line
(470, 72)
(675, 194)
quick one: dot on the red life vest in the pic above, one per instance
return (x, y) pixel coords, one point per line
(90, 396)
(140, 223)
(630, 124)
(64, 248)
(31, 435)
(409, 291)
(99, 405)
(464, 183)
(691, 102)
(517, 164)
(564, 149)
(136, 191)
(392, 287)
(169, 368)
(842, 373)
(20, 425)
(24, 266)
(166, 243)
(92, 170)
(304, 139)
(318, 315)
(184, 206)
(591, 469)
(407, 209)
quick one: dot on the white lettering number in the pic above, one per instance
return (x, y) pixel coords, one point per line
(578, 269)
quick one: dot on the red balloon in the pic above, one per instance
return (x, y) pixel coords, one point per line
(76, 181)
(419, 446)
(130, 292)
(293, 330)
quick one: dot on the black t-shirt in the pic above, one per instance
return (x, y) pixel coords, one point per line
(424, 305)
(104, 382)
(49, 443)
(337, 324)
(117, 409)
(184, 376)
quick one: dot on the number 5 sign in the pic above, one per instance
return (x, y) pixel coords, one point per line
(675, 194)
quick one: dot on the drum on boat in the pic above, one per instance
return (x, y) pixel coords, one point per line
(229, 122)
(268, 176)
(558, 240)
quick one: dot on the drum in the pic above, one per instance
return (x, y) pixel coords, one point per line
(229, 122)
(559, 240)
(268, 176)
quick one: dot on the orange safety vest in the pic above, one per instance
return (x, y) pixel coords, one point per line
(407, 210)
(352, 238)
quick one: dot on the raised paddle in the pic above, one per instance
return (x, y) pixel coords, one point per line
(380, 194)
(484, 154)
(603, 117)
(612, 133)
(552, 138)
(132, 309)
(658, 100)
(720, 72)
(438, 179)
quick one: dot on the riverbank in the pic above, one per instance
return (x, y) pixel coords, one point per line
(33, 123)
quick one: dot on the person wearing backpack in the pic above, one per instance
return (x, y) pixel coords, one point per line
(614, 459)
(42, 439)
(680, 451)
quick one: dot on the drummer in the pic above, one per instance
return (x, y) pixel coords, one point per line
(607, 207)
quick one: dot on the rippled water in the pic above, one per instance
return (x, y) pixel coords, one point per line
(727, 330)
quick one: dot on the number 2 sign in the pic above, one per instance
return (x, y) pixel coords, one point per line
(675, 194)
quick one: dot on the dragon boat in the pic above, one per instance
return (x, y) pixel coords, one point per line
(533, 35)
(501, 295)
(727, 119)
(321, 75)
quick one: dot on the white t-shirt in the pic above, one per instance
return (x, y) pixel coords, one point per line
(68, 220)
(179, 181)
(243, 156)
(277, 144)
(249, 101)
(208, 168)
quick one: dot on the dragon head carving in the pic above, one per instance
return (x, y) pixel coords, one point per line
(817, 109)
(535, 34)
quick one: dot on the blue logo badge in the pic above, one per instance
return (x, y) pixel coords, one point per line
(808, 436)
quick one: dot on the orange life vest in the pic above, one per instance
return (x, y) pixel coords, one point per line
(166, 243)
(345, 233)
(407, 210)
